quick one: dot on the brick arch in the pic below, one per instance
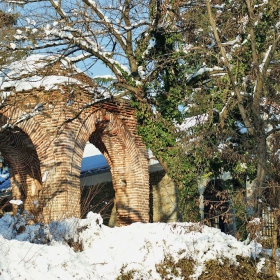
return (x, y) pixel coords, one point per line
(29, 153)
(24, 166)
(113, 132)
(59, 134)
(35, 132)
(132, 183)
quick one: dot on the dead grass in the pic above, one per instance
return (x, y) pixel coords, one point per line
(214, 270)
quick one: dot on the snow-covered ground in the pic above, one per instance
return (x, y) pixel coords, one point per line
(42, 252)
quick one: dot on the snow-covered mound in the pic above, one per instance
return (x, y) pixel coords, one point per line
(43, 252)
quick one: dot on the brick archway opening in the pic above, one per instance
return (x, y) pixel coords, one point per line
(97, 192)
(112, 129)
(20, 155)
(102, 192)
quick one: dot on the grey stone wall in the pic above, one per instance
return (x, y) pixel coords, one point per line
(163, 200)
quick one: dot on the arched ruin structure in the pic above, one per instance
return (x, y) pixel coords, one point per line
(44, 129)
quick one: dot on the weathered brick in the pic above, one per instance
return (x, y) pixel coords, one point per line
(48, 144)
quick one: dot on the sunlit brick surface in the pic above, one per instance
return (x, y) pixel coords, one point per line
(44, 152)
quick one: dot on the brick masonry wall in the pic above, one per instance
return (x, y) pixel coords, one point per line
(44, 152)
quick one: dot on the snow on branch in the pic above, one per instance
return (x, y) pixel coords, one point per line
(202, 71)
(25, 116)
(108, 23)
(36, 111)
(265, 58)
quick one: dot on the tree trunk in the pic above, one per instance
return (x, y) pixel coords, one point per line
(274, 243)
(261, 174)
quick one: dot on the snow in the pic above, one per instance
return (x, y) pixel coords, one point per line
(45, 176)
(5, 187)
(49, 82)
(202, 71)
(105, 77)
(22, 75)
(96, 162)
(16, 202)
(4, 176)
(264, 2)
(31, 64)
(93, 160)
(233, 42)
(187, 48)
(42, 252)
(265, 58)
(27, 65)
(4, 180)
(193, 121)
(13, 46)
(277, 153)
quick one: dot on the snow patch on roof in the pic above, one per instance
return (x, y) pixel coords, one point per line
(23, 75)
(31, 64)
(93, 159)
(49, 83)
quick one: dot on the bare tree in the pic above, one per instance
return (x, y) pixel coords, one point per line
(230, 52)
(128, 37)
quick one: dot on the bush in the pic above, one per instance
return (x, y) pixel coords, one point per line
(169, 268)
(246, 270)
